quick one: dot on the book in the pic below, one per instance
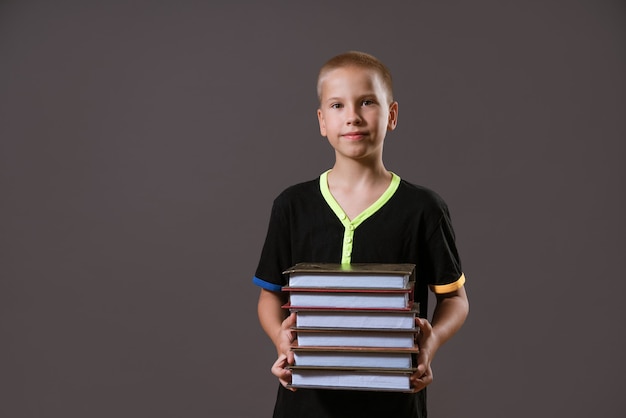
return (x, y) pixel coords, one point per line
(351, 378)
(356, 318)
(359, 275)
(355, 325)
(333, 337)
(350, 298)
(358, 357)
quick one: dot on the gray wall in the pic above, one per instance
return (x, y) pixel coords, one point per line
(141, 146)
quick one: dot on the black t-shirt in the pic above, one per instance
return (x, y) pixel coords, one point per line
(408, 224)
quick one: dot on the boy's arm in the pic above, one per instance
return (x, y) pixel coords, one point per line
(448, 317)
(272, 317)
(277, 325)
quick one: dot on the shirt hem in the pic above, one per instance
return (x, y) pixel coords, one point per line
(449, 287)
(267, 285)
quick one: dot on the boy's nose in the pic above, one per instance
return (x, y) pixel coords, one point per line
(354, 118)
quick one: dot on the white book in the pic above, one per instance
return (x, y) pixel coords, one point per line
(355, 338)
(351, 379)
(356, 319)
(365, 281)
(359, 275)
(353, 359)
(347, 300)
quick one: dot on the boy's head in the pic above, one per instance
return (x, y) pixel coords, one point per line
(360, 60)
(356, 106)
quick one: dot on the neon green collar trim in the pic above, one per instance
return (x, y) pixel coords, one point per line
(351, 225)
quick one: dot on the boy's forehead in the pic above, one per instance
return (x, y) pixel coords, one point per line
(348, 78)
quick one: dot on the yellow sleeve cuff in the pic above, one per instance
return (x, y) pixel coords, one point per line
(450, 287)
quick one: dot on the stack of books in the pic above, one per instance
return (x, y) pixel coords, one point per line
(355, 325)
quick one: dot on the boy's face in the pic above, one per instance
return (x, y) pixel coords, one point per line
(355, 112)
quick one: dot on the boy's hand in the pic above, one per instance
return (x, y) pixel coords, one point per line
(285, 338)
(423, 376)
(448, 316)
(283, 374)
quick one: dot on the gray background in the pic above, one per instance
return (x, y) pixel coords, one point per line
(142, 144)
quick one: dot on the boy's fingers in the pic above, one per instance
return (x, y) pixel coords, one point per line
(280, 361)
(423, 324)
(287, 324)
(420, 380)
(290, 321)
(425, 329)
(278, 370)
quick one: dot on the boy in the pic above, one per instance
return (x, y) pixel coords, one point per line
(360, 212)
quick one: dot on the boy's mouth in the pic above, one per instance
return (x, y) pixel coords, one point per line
(354, 135)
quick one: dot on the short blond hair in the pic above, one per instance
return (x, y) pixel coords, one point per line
(356, 59)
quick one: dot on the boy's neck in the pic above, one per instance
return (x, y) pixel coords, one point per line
(355, 187)
(354, 173)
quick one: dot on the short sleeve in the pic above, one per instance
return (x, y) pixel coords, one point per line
(276, 253)
(445, 273)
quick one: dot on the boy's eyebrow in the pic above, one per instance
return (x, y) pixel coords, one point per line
(361, 97)
(330, 99)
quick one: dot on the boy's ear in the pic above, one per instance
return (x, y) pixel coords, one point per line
(320, 119)
(393, 116)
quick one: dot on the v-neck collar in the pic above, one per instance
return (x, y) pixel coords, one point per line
(372, 209)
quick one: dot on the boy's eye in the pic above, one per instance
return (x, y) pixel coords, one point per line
(336, 106)
(367, 102)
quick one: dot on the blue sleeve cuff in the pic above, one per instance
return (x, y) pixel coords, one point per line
(267, 285)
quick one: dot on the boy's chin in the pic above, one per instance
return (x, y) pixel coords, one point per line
(363, 156)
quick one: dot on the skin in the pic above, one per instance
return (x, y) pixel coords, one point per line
(355, 115)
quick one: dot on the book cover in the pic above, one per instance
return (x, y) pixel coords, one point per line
(357, 357)
(329, 337)
(351, 378)
(357, 275)
(308, 317)
(351, 298)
